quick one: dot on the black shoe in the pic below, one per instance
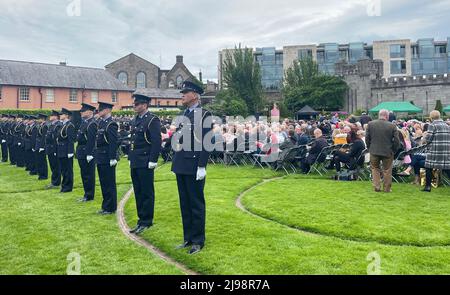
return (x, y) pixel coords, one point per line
(184, 245)
(427, 189)
(195, 249)
(141, 229)
(103, 212)
(132, 231)
(42, 178)
(64, 192)
(51, 186)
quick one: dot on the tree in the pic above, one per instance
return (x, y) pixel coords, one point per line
(242, 76)
(305, 85)
(439, 106)
(227, 103)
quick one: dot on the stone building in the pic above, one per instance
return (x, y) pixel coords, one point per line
(368, 87)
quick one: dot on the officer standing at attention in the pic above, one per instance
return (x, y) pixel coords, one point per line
(54, 126)
(86, 137)
(10, 140)
(65, 150)
(189, 165)
(106, 157)
(143, 157)
(19, 130)
(3, 135)
(41, 159)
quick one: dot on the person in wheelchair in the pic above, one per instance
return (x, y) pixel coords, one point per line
(349, 157)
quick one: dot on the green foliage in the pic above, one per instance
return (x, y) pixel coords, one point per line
(305, 85)
(439, 106)
(242, 75)
(228, 103)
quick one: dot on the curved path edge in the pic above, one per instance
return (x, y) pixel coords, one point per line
(241, 207)
(141, 241)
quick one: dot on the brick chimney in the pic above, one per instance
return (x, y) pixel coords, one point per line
(63, 63)
(179, 58)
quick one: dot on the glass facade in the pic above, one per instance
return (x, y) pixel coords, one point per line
(330, 57)
(398, 67)
(271, 64)
(430, 58)
(356, 52)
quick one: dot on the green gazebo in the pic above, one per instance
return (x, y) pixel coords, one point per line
(447, 110)
(397, 107)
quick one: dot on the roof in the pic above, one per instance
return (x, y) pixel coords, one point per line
(131, 55)
(397, 107)
(22, 73)
(307, 110)
(160, 93)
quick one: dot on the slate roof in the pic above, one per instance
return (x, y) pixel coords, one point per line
(160, 93)
(21, 73)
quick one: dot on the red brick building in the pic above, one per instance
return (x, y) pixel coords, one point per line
(30, 85)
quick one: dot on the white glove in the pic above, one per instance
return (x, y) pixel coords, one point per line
(41, 150)
(70, 156)
(112, 163)
(152, 165)
(89, 158)
(54, 154)
(19, 144)
(201, 173)
(3, 141)
(33, 150)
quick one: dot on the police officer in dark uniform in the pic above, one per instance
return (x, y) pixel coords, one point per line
(41, 159)
(86, 137)
(54, 126)
(189, 164)
(143, 157)
(3, 136)
(106, 157)
(28, 154)
(33, 129)
(10, 140)
(65, 150)
(18, 133)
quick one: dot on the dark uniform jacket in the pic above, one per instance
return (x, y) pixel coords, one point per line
(65, 140)
(18, 133)
(34, 134)
(316, 148)
(145, 140)
(107, 141)
(382, 138)
(86, 137)
(50, 137)
(27, 137)
(186, 162)
(41, 135)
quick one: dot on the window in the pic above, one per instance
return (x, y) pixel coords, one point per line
(24, 94)
(141, 80)
(440, 50)
(94, 96)
(397, 51)
(398, 67)
(114, 96)
(167, 103)
(49, 95)
(304, 53)
(73, 97)
(176, 103)
(123, 77)
(179, 81)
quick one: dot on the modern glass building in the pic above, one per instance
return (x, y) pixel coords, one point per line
(271, 64)
(430, 57)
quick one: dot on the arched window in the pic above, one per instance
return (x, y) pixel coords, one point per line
(123, 77)
(141, 80)
(179, 81)
(171, 84)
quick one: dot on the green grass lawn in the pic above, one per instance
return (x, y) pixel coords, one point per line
(344, 222)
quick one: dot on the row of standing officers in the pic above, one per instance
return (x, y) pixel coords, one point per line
(28, 141)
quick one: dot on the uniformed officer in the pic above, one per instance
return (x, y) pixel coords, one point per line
(18, 133)
(189, 165)
(143, 157)
(106, 157)
(10, 140)
(3, 136)
(31, 135)
(65, 150)
(41, 159)
(54, 126)
(86, 137)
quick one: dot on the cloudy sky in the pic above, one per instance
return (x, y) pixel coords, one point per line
(97, 32)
